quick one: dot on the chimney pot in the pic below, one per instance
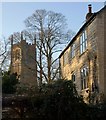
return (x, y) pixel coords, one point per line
(89, 14)
(90, 8)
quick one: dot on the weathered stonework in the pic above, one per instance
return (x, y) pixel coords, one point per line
(23, 62)
(94, 57)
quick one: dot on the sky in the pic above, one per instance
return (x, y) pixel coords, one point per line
(14, 13)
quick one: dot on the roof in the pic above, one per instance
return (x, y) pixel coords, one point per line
(81, 29)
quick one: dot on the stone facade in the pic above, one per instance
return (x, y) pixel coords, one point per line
(23, 62)
(85, 62)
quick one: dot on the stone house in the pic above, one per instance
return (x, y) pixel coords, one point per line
(83, 60)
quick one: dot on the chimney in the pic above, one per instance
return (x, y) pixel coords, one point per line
(90, 8)
(89, 14)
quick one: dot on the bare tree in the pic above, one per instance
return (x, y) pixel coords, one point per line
(5, 50)
(3, 57)
(49, 28)
(4, 53)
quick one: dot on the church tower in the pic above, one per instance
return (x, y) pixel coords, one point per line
(23, 62)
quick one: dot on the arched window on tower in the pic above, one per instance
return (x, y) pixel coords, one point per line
(17, 54)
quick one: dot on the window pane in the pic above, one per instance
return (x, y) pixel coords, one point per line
(83, 42)
(73, 51)
(82, 84)
(85, 34)
(84, 77)
(83, 47)
(83, 39)
(85, 71)
(81, 50)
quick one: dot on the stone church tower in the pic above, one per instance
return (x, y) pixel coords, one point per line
(23, 62)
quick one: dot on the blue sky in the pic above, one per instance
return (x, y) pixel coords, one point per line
(14, 13)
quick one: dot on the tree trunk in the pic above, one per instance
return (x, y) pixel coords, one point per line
(35, 61)
(40, 60)
(49, 68)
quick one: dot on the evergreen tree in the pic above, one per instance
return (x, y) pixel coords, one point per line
(9, 82)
